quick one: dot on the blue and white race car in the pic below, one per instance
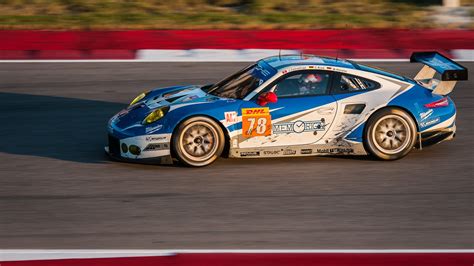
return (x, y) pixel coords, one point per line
(294, 105)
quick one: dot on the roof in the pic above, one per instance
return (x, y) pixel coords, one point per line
(282, 61)
(279, 62)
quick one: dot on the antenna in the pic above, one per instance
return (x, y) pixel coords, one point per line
(340, 45)
(279, 54)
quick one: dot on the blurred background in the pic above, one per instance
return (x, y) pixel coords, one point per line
(234, 14)
(232, 30)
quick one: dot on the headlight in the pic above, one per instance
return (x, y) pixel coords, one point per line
(156, 115)
(139, 97)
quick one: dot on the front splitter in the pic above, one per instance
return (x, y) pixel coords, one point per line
(165, 160)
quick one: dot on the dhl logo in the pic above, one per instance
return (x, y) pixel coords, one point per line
(255, 111)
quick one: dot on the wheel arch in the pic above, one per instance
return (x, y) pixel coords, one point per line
(406, 110)
(394, 107)
(225, 152)
(397, 107)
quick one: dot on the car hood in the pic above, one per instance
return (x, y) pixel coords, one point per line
(174, 97)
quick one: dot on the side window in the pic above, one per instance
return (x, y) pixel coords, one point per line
(305, 83)
(350, 83)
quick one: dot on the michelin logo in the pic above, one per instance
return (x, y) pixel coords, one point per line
(430, 123)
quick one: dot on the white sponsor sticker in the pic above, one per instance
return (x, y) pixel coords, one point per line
(230, 117)
(235, 143)
(426, 114)
(153, 129)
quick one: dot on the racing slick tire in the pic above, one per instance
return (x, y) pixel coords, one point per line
(198, 141)
(390, 134)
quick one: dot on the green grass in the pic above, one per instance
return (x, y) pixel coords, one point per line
(211, 14)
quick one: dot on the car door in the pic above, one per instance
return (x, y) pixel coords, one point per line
(302, 114)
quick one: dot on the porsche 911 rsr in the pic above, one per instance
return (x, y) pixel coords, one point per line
(295, 105)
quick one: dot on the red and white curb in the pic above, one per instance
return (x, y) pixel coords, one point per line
(176, 257)
(242, 55)
(249, 55)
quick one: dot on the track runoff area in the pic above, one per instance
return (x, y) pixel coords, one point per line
(274, 257)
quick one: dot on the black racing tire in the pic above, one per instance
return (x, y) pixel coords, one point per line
(198, 141)
(390, 134)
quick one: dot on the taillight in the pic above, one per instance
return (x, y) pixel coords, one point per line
(439, 103)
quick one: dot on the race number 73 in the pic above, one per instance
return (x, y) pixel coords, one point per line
(256, 122)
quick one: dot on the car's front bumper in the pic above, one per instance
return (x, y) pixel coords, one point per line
(147, 148)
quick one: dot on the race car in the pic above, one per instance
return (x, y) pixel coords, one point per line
(292, 105)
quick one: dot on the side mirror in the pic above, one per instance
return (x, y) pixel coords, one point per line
(267, 97)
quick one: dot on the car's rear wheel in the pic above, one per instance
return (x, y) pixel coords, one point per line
(390, 134)
(198, 141)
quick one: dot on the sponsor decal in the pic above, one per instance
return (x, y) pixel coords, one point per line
(154, 138)
(256, 122)
(426, 114)
(235, 143)
(284, 72)
(255, 111)
(306, 151)
(430, 123)
(156, 147)
(299, 126)
(230, 117)
(289, 152)
(264, 72)
(325, 110)
(335, 150)
(276, 152)
(298, 68)
(153, 129)
(249, 153)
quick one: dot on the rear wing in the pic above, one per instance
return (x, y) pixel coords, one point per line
(434, 62)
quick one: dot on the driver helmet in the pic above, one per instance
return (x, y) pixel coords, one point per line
(311, 78)
(309, 82)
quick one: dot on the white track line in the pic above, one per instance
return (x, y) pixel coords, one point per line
(47, 254)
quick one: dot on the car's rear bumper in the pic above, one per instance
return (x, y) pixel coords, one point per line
(429, 138)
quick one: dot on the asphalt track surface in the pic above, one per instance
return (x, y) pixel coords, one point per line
(59, 190)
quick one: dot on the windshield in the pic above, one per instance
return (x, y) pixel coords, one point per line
(240, 84)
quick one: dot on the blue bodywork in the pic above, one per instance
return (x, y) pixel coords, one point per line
(188, 101)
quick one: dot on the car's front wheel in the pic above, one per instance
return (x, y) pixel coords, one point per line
(390, 134)
(198, 141)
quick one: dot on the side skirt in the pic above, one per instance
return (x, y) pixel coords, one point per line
(355, 148)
